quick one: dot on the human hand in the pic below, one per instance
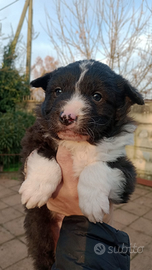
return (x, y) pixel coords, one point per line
(65, 199)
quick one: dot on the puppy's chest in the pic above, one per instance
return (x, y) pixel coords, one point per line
(82, 154)
(107, 150)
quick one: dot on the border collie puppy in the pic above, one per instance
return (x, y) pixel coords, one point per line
(86, 109)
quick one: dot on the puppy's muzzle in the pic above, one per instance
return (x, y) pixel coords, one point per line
(67, 118)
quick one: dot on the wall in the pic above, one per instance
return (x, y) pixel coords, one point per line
(141, 152)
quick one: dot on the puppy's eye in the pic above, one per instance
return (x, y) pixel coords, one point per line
(97, 96)
(58, 91)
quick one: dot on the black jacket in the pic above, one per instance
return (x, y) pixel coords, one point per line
(84, 245)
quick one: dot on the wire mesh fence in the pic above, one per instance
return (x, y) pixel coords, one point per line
(10, 162)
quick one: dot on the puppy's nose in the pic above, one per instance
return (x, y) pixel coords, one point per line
(67, 118)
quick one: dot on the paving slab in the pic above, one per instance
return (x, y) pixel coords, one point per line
(15, 226)
(16, 188)
(135, 208)
(9, 183)
(143, 200)
(3, 205)
(148, 215)
(143, 259)
(149, 195)
(23, 239)
(124, 217)
(134, 196)
(118, 225)
(138, 241)
(140, 191)
(19, 207)
(142, 225)
(5, 235)
(8, 214)
(25, 264)
(12, 252)
(12, 200)
(144, 187)
(5, 192)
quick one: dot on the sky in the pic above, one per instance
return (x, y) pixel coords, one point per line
(10, 16)
(9, 19)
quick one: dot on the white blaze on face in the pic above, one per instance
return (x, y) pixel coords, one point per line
(76, 106)
(80, 80)
(84, 68)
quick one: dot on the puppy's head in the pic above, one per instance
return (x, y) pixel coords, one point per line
(86, 100)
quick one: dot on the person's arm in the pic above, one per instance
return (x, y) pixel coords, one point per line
(85, 245)
(65, 200)
(82, 244)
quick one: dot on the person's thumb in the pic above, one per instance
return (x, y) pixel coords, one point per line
(66, 163)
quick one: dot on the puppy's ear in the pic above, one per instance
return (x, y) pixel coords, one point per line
(130, 91)
(41, 81)
(133, 94)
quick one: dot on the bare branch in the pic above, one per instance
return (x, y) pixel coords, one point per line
(113, 31)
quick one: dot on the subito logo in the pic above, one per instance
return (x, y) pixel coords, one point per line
(99, 249)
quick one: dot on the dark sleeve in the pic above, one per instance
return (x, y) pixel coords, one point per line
(85, 245)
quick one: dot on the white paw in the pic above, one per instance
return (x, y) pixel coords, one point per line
(43, 177)
(94, 205)
(93, 191)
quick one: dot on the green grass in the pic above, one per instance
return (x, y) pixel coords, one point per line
(14, 178)
(12, 167)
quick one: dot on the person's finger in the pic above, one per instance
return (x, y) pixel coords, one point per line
(66, 163)
(63, 155)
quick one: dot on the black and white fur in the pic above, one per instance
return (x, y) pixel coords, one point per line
(85, 109)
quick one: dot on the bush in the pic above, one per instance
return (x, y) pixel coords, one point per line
(12, 129)
(14, 87)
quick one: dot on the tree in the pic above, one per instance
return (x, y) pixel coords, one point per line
(112, 31)
(13, 123)
(13, 86)
(43, 66)
(40, 68)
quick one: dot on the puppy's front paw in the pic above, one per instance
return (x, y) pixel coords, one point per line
(43, 177)
(36, 192)
(93, 191)
(94, 205)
